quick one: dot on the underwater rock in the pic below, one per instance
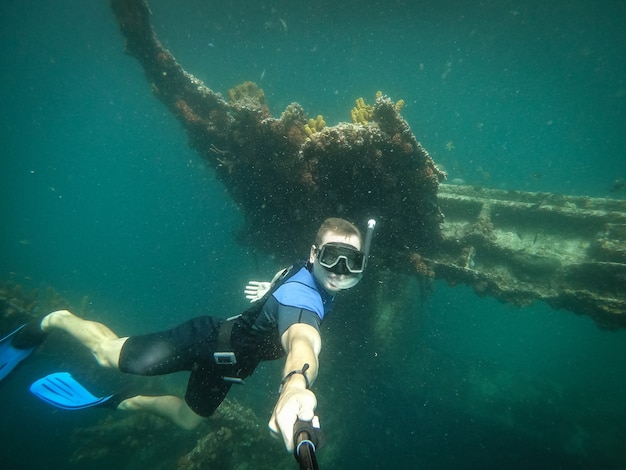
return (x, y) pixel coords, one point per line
(234, 438)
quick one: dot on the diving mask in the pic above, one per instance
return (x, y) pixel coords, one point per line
(341, 258)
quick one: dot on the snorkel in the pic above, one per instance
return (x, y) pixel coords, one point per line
(369, 234)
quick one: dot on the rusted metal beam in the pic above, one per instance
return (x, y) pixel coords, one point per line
(569, 251)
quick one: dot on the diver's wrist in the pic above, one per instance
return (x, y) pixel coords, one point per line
(296, 379)
(295, 382)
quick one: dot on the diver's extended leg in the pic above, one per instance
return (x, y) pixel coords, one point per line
(106, 347)
(98, 338)
(169, 407)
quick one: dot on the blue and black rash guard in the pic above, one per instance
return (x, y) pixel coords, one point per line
(300, 299)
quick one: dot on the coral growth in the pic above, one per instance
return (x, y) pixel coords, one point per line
(248, 95)
(236, 438)
(420, 266)
(13, 300)
(187, 113)
(358, 170)
(19, 304)
(233, 438)
(362, 113)
(314, 125)
(291, 124)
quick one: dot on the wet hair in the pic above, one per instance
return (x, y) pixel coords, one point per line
(339, 226)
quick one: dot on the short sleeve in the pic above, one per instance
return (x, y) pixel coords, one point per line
(288, 315)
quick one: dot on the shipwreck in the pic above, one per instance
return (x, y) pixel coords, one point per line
(287, 173)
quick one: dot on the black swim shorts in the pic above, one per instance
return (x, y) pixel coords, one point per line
(189, 346)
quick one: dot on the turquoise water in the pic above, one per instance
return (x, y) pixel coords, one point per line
(101, 196)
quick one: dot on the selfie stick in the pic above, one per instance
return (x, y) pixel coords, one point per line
(307, 437)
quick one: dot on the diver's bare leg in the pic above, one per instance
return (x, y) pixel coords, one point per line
(106, 347)
(169, 407)
(98, 338)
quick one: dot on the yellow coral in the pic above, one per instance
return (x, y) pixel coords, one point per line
(314, 125)
(361, 113)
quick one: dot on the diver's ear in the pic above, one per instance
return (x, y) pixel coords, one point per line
(312, 254)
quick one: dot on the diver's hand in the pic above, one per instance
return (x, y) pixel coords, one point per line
(293, 404)
(256, 290)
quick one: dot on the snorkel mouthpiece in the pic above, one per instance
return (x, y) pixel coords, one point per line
(371, 224)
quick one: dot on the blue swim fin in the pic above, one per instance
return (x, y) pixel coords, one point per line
(10, 356)
(63, 391)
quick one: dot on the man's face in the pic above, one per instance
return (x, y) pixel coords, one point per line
(332, 282)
